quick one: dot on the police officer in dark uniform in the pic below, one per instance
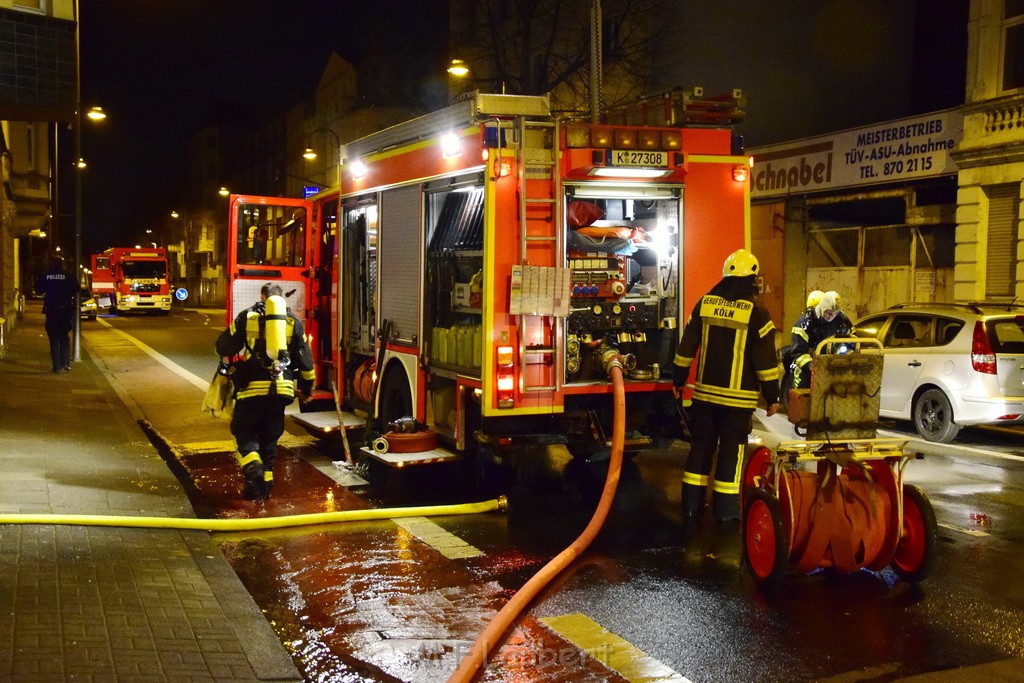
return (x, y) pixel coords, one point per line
(265, 380)
(736, 339)
(58, 288)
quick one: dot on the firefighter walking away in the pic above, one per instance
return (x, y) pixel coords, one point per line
(735, 338)
(276, 364)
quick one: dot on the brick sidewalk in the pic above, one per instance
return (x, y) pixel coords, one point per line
(99, 603)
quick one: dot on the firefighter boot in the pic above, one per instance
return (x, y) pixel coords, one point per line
(268, 482)
(726, 506)
(252, 471)
(693, 500)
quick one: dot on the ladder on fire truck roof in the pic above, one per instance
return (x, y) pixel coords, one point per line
(680, 107)
(539, 234)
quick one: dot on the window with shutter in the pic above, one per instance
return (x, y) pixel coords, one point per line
(1001, 250)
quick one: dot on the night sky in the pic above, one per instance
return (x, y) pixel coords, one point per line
(160, 67)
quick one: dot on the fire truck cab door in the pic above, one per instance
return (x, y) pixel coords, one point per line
(268, 241)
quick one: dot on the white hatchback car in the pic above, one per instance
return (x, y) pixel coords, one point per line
(950, 365)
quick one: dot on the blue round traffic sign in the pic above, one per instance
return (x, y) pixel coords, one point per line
(181, 294)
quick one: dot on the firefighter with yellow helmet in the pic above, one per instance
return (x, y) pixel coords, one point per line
(823, 318)
(276, 364)
(735, 338)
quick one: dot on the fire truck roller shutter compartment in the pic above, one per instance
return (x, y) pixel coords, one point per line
(400, 255)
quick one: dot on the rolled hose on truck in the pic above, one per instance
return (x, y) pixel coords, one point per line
(258, 523)
(494, 632)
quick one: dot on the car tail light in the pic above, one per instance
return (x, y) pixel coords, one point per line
(983, 359)
(505, 376)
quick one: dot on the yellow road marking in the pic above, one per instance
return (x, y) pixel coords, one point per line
(446, 543)
(614, 652)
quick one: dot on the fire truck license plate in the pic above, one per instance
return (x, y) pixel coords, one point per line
(627, 157)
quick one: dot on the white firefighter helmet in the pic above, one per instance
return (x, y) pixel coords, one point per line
(740, 263)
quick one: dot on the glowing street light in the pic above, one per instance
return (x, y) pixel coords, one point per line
(458, 68)
(310, 153)
(96, 114)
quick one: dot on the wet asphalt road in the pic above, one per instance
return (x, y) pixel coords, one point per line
(376, 601)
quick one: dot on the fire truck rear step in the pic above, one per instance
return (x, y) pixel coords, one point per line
(399, 460)
(325, 421)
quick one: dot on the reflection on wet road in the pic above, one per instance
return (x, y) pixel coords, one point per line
(375, 601)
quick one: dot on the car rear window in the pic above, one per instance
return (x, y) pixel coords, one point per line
(946, 330)
(1007, 334)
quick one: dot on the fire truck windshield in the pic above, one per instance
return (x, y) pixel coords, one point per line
(148, 270)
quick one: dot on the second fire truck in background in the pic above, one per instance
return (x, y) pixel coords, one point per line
(132, 279)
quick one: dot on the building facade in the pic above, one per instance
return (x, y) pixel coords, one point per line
(38, 89)
(269, 161)
(991, 156)
(867, 212)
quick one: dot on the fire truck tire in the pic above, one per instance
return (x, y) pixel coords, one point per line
(486, 474)
(395, 395)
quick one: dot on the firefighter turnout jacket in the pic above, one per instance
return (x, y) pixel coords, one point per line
(257, 374)
(736, 340)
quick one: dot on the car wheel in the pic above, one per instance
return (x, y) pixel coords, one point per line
(933, 417)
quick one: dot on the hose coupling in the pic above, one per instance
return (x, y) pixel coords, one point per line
(609, 357)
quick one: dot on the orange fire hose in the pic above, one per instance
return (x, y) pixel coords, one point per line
(495, 630)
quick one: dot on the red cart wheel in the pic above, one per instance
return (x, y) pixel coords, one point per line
(915, 553)
(754, 470)
(765, 540)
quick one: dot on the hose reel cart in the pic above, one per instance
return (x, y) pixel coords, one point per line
(836, 499)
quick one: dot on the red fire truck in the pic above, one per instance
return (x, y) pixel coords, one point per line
(132, 279)
(477, 263)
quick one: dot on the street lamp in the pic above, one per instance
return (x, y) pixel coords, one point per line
(310, 154)
(458, 68)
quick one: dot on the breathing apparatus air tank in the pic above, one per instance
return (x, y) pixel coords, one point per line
(275, 332)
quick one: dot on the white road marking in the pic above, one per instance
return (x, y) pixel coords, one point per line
(963, 529)
(956, 448)
(162, 359)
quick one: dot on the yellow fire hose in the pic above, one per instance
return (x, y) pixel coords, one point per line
(258, 523)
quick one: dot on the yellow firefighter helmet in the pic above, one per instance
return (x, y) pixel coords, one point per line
(740, 263)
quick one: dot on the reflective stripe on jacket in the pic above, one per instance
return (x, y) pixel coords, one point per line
(737, 360)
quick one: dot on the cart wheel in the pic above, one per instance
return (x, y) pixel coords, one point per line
(915, 553)
(765, 540)
(756, 467)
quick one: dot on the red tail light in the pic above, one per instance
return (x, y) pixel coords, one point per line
(505, 376)
(983, 359)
